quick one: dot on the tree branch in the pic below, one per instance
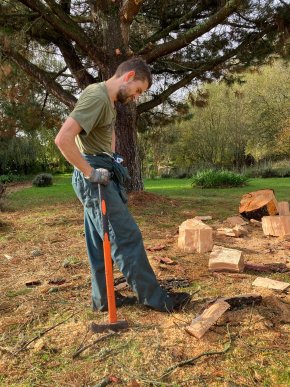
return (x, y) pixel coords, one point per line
(129, 10)
(65, 25)
(199, 69)
(35, 72)
(195, 32)
(175, 25)
(75, 65)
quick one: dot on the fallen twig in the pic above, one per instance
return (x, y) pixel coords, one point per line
(25, 345)
(193, 359)
(79, 351)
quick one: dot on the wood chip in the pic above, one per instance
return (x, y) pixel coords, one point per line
(270, 284)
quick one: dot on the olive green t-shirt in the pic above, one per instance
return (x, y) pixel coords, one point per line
(96, 116)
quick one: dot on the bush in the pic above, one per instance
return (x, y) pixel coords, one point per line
(10, 178)
(42, 180)
(211, 178)
(267, 171)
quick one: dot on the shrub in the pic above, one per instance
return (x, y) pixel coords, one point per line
(10, 178)
(267, 172)
(42, 180)
(211, 178)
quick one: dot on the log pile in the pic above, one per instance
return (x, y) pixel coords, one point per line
(257, 209)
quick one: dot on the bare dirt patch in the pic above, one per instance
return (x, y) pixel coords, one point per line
(46, 247)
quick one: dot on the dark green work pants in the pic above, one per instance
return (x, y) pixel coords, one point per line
(127, 247)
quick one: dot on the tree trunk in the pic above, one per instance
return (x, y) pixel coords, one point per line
(255, 205)
(126, 144)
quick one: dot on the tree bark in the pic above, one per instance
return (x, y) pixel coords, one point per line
(126, 143)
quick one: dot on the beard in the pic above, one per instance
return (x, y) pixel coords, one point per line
(123, 96)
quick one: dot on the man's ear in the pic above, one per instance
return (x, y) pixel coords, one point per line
(129, 76)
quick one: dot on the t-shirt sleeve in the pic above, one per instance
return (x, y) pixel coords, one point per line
(89, 110)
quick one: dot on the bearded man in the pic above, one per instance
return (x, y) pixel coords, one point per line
(87, 141)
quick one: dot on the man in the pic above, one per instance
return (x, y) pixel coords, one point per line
(87, 141)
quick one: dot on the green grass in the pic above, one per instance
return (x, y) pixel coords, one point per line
(181, 188)
(61, 191)
(219, 201)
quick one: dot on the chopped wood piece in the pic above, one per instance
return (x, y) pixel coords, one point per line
(276, 225)
(275, 267)
(240, 231)
(165, 260)
(243, 299)
(238, 301)
(195, 235)
(226, 231)
(32, 283)
(235, 232)
(156, 248)
(236, 221)
(255, 205)
(270, 284)
(203, 217)
(224, 259)
(57, 281)
(283, 208)
(255, 223)
(202, 323)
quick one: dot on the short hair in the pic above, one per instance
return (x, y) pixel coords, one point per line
(137, 64)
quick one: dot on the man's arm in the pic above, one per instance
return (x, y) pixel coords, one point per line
(65, 141)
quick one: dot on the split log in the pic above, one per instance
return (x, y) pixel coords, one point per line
(224, 259)
(275, 267)
(236, 221)
(236, 302)
(203, 217)
(255, 223)
(270, 284)
(255, 205)
(276, 225)
(226, 231)
(235, 232)
(243, 299)
(202, 323)
(283, 208)
(195, 235)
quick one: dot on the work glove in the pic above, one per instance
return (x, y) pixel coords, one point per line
(100, 176)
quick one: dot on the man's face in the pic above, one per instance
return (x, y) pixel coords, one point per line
(130, 91)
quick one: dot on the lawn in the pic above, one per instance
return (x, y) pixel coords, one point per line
(218, 202)
(43, 325)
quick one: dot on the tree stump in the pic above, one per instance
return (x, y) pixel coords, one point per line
(255, 205)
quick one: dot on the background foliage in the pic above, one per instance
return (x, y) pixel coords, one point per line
(50, 50)
(229, 125)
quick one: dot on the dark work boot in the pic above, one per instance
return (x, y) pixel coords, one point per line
(180, 300)
(120, 301)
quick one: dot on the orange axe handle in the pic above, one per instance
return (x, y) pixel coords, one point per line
(108, 260)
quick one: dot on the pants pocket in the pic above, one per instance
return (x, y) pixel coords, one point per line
(123, 194)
